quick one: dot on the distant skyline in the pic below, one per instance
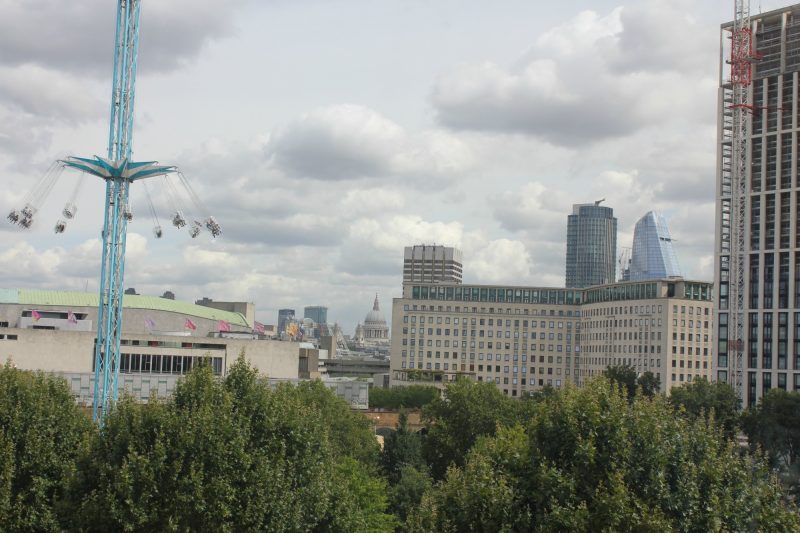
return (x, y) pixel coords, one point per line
(326, 136)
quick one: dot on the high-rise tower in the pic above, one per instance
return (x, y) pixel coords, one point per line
(591, 245)
(431, 264)
(757, 248)
(285, 316)
(653, 256)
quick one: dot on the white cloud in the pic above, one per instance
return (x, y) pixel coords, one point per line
(317, 211)
(351, 142)
(592, 78)
(500, 261)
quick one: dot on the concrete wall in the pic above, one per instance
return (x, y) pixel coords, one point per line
(246, 309)
(134, 320)
(276, 359)
(68, 351)
(141, 386)
(48, 350)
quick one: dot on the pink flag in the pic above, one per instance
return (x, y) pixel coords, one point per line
(36, 316)
(260, 329)
(71, 318)
(224, 326)
(189, 325)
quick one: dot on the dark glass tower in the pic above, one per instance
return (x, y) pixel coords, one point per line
(284, 317)
(591, 245)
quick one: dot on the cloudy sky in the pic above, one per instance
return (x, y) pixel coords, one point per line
(326, 135)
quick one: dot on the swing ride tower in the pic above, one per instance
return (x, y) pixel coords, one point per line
(119, 172)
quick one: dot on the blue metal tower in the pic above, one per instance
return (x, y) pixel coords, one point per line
(119, 172)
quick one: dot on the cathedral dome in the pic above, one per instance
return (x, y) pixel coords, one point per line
(375, 315)
(375, 331)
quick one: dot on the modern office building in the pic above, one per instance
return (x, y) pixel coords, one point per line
(591, 245)
(431, 264)
(525, 338)
(285, 316)
(653, 256)
(770, 342)
(317, 313)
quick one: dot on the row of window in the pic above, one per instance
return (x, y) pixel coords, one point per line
(497, 345)
(490, 322)
(491, 310)
(165, 364)
(489, 334)
(486, 294)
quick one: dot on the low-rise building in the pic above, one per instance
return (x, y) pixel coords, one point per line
(162, 339)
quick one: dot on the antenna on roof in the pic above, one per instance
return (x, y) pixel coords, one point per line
(597, 202)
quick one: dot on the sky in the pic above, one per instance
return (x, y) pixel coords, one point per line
(326, 135)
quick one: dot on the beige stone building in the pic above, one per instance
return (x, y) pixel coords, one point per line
(520, 338)
(664, 327)
(524, 338)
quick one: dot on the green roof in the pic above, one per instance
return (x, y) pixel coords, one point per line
(130, 301)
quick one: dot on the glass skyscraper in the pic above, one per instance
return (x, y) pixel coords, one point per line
(317, 313)
(652, 256)
(591, 245)
(284, 317)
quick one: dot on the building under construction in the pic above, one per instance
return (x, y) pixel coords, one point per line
(757, 249)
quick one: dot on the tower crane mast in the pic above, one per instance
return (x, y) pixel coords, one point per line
(742, 56)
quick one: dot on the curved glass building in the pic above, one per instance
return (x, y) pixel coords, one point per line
(653, 256)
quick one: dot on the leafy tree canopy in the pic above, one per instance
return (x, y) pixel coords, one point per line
(466, 411)
(42, 433)
(774, 425)
(625, 376)
(230, 456)
(592, 460)
(701, 398)
(408, 397)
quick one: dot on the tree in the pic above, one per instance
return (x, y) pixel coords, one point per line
(405, 495)
(700, 398)
(649, 383)
(400, 449)
(625, 376)
(774, 425)
(230, 456)
(592, 460)
(407, 397)
(42, 433)
(360, 501)
(350, 433)
(466, 411)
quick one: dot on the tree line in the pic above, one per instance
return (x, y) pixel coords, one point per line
(234, 454)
